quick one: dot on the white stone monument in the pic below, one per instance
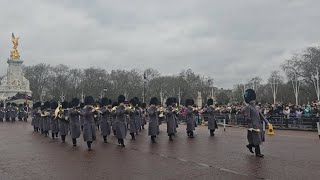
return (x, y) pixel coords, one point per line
(199, 100)
(14, 82)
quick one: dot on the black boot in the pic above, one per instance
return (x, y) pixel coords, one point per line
(74, 141)
(249, 146)
(89, 145)
(81, 128)
(45, 133)
(105, 139)
(188, 133)
(63, 138)
(191, 134)
(56, 134)
(122, 143)
(53, 135)
(114, 132)
(258, 152)
(119, 141)
(170, 137)
(211, 132)
(142, 127)
(132, 136)
(153, 139)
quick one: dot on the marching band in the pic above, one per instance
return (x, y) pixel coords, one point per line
(72, 118)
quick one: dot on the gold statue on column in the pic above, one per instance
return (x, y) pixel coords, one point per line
(14, 52)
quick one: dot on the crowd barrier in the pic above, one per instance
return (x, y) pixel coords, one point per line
(278, 121)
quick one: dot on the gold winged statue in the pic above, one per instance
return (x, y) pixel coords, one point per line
(14, 54)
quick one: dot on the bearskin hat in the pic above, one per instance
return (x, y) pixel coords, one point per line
(88, 100)
(46, 104)
(54, 105)
(65, 104)
(75, 102)
(8, 104)
(154, 101)
(13, 104)
(109, 102)
(189, 102)
(249, 95)
(1, 104)
(104, 101)
(81, 105)
(169, 101)
(137, 100)
(43, 107)
(144, 105)
(210, 102)
(133, 102)
(114, 104)
(121, 99)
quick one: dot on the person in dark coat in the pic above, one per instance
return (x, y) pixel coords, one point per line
(54, 122)
(120, 123)
(89, 126)
(20, 112)
(105, 124)
(64, 121)
(26, 111)
(46, 118)
(14, 112)
(254, 119)
(209, 112)
(74, 114)
(133, 115)
(170, 114)
(153, 114)
(2, 112)
(8, 112)
(139, 114)
(190, 118)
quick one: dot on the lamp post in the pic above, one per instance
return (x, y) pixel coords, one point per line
(274, 86)
(296, 86)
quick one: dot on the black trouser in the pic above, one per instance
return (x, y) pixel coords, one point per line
(63, 138)
(1, 119)
(257, 149)
(132, 136)
(212, 132)
(105, 138)
(74, 141)
(7, 119)
(53, 135)
(89, 144)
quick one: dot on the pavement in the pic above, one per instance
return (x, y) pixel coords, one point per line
(25, 154)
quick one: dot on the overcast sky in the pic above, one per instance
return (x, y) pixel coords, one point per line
(230, 40)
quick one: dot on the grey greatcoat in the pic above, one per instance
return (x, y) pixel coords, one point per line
(212, 123)
(46, 121)
(171, 120)
(255, 129)
(190, 118)
(120, 123)
(64, 123)
(54, 123)
(105, 124)
(74, 123)
(153, 114)
(139, 118)
(36, 118)
(133, 116)
(89, 126)
(14, 113)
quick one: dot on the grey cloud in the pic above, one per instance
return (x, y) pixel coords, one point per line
(230, 41)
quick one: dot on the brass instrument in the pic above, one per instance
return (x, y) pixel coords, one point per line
(161, 110)
(45, 114)
(58, 111)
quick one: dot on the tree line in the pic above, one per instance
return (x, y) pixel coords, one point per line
(50, 82)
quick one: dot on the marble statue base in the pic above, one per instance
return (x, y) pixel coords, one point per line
(14, 82)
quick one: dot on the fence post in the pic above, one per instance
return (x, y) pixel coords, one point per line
(318, 126)
(224, 124)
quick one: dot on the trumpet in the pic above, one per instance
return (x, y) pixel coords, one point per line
(58, 111)
(45, 114)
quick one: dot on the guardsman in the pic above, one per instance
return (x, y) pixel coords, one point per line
(190, 118)
(2, 112)
(120, 123)
(46, 118)
(133, 115)
(89, 126)
(209, 112)
(170, 114)
(54, 122)
(105, 124)
(64, 121)
(74, 114)
(254, 118)
(153, 114)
